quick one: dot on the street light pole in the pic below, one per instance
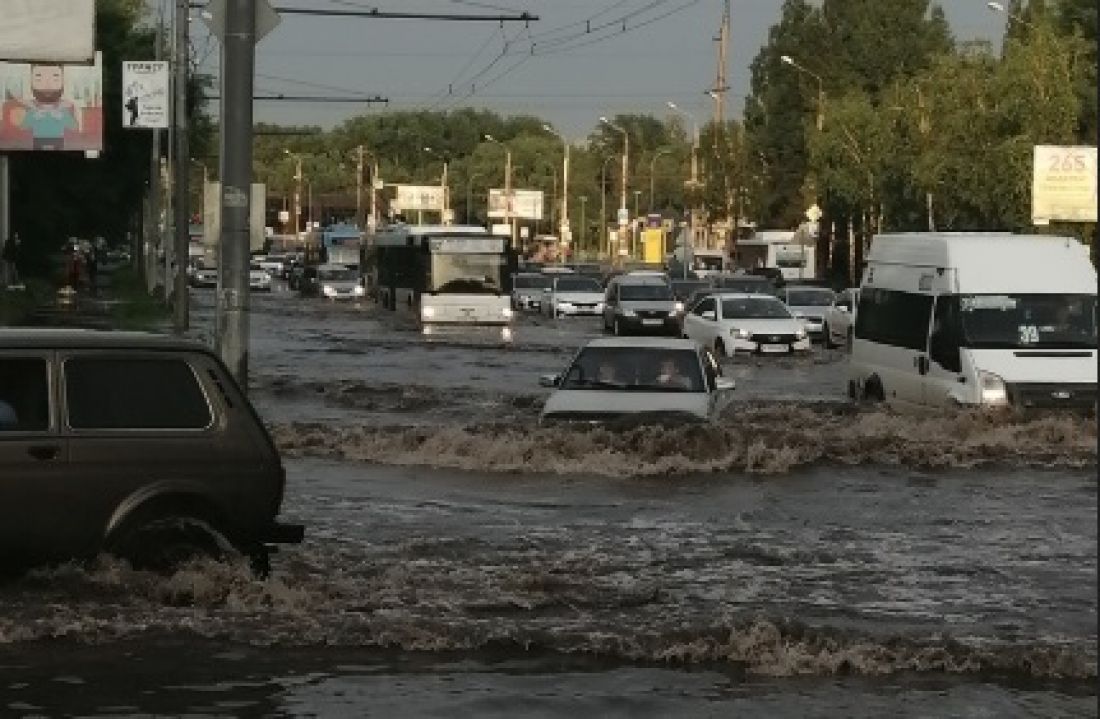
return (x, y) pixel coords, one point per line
(603, 205)
(359, 188)
(637, 227)
(694, 141)
(444, 185)
(652, 173)
(626, 159)
(787, 59)
(508, 214)
(564, 220)
(180, 315)
(584, 228)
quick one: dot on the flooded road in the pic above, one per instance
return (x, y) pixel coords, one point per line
(800, 559)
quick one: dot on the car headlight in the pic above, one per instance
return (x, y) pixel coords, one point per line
(427, 312)
(329, 291)
(992, 389)
(506, 312)
(628, 312)
(678, 307)
(359, 290)
(800, 333)
(739, 333)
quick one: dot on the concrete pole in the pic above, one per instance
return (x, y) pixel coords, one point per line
(565, 194)
(359, 188)
(584, 227)
(152, 232)
(626, 162)
(446, 195)
(6, 272)
(509, 214)
(374, 193)
(238, 53)
(180, 318)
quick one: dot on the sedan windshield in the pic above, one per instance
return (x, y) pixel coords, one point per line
(746, 284)
(338, 275)
(645, 292)
(635, 369)
(754, 308)
(531, 282)
(815, 297)
(1026, 321)
(578, 284)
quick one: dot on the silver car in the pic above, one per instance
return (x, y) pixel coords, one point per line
(809, 304)
(642, 378)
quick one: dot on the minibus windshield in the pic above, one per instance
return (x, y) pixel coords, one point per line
(1028, 321)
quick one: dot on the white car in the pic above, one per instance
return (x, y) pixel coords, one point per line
(730, 322)
(570, 295)
(258, 280)
(809, 305)
(840, 318)
(637, 378)
(339, 282)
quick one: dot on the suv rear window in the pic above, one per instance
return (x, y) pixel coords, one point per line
(125, 393)
(24, 395)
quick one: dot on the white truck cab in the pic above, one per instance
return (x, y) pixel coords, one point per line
(991, 319)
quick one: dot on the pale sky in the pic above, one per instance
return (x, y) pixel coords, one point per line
(570, 81)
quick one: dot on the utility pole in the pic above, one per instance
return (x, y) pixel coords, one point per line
(180, 318)
(359, 188)
(718, 92)
(152, 232)
(238, 66)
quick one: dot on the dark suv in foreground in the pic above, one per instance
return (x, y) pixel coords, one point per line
(138, 445)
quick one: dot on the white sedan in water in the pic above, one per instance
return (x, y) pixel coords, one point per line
(735, 322)
(570, 295)
(639, 378)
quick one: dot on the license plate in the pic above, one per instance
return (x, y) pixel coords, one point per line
(775, 348)
(652, 322)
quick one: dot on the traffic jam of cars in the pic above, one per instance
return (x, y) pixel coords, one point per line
(458, 281)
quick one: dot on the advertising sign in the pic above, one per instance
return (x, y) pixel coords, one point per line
(145, 102)
(1063, 184)
(47, 106)
(418, 197)
(526, 204)
(48, 31)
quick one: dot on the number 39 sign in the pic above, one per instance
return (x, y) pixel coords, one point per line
(1063, 184)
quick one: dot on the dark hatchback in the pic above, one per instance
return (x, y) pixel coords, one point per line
(138, 445)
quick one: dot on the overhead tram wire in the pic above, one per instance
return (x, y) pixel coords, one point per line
(441, 95)
(627, 30)
(376, 14)
(280, 97)
(448, 94)
(534, 52)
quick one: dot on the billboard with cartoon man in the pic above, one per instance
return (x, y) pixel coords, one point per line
(51, 106)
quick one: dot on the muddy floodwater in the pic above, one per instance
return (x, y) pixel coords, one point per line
(801, 558)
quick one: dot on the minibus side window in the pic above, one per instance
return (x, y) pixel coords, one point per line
(890, 317)
(944, 340)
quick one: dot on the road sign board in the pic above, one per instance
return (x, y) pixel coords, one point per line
(266, 18)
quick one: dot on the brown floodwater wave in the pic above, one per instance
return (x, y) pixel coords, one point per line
(109, 602)
(757, 439)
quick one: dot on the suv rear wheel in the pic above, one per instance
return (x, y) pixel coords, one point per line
(165, 543)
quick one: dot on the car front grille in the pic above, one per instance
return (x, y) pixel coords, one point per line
(652, 314)
(1036, 395)
(777, 339)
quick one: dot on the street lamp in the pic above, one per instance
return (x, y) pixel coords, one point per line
(788, 60)
(653, 170)
(634, 236)
(998, 7)
(694, 141)
(508, 216)
(584, 229)
(469, 193)
(603, 203)
(626, 158)
(564, 229)
(297, 191)
(443, 183)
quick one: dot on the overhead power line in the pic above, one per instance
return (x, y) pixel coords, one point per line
(280, 97)
(376, 14)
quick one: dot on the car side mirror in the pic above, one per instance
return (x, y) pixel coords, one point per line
(709, 315)
(723, 384)
(548, 380)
